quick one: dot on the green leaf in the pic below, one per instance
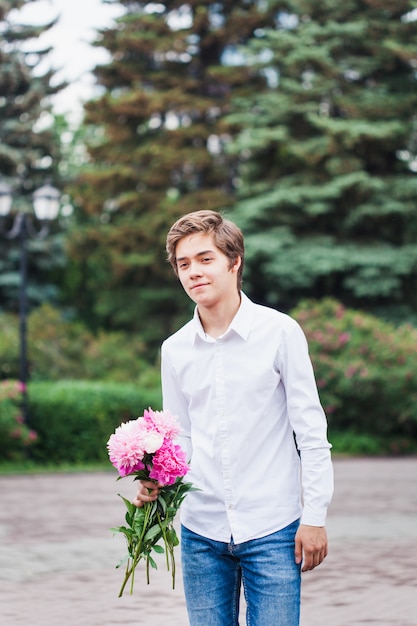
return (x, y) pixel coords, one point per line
(122, 562)
(152, 532)
(172, 537)
(129, 505)
(159, 549)
(152, 562)
(142, 475)
(138, 521)
(161, 501)
(139, 514)
(116, 529)
(120, 529)
(153, 508)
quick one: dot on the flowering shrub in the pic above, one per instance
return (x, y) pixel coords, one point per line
(15, 436)
(366, 372)
(73, 418)
(144, 448)
(60, 349)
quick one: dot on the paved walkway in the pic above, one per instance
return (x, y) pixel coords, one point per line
(57, 556)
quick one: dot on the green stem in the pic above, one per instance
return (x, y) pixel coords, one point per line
(147, 570)
(169, 548)
(171, 551)
(164, 536)
(137, 555)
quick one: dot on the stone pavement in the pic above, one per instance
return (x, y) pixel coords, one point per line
(57, 556)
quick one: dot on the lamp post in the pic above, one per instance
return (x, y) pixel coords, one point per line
(46, 201)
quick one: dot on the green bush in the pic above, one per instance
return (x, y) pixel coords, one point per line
(74, 419)
(60, 349)
(9, 346)
(365, 370)
(15, 435)
(354, 443)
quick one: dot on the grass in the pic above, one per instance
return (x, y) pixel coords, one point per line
(8, 468)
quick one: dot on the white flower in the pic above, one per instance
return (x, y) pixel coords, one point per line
(152, 441)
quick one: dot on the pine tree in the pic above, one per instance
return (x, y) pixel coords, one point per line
(328, 182)
(158, 152)
(29, 153)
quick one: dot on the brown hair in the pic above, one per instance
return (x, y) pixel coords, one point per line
(226, 236)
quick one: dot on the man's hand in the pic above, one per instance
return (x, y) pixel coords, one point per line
(147, 492)
(310, 546)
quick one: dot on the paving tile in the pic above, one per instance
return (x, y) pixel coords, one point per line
(58, 556)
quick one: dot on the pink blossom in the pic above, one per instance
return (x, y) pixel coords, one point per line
(33, 435)
(164, 422)
(146, 436)
(30, 437)
(351, 371)
(317, 335)
(344, 338)
(126, 447)
(340, 311)
(169, 462)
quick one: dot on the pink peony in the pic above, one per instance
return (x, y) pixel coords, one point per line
(145, 435)
(126, 448)
(162, 421)
(169, 462)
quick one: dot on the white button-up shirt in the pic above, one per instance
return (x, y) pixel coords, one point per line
(240, 399)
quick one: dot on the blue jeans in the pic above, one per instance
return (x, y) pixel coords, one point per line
(213, 572)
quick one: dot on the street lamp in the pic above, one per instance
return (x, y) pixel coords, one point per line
(46, 202)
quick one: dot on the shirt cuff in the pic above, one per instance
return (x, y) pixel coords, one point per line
(316, 517)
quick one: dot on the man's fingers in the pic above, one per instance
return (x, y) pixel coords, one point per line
(298, 551)
(311, 545)
(313, 559)
(147, 492)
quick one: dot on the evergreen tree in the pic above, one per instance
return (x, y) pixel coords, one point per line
(328, 171)
(29, 153)
(157, 153)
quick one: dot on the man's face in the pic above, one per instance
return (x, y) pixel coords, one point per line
(204, 271)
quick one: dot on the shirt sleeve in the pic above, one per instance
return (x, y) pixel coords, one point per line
(173, 400)
(309, 423)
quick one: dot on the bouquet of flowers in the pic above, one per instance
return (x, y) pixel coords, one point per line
(144, 448)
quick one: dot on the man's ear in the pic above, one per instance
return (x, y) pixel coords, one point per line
(236, 264)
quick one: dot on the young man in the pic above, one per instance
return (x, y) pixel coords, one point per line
(239, 377)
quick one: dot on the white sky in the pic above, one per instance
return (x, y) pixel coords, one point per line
(73, 56)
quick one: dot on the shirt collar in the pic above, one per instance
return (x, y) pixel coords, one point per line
(240, 324)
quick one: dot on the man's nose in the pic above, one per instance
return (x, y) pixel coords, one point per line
(195, 269)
